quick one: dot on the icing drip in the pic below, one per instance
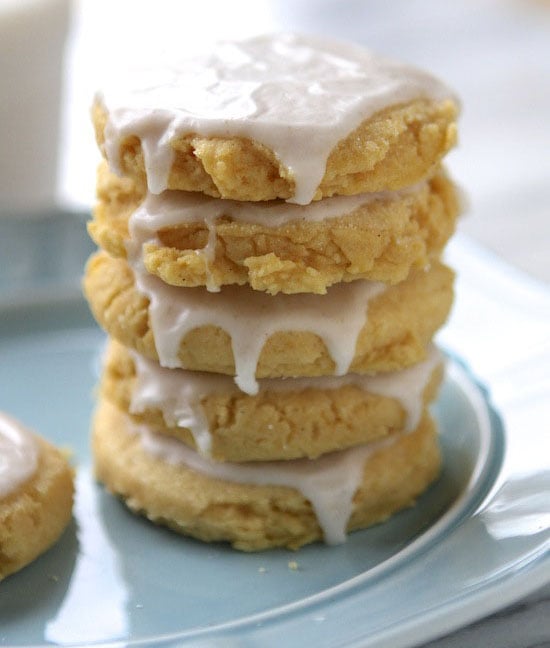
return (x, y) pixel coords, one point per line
(178, 399)
(251, 317)
(329, 483)
(209, 253)
(18, 455)
(175, 207)
(178, 393)
(407, 386)
(297, 95)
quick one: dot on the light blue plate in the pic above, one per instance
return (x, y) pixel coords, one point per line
(475, 541)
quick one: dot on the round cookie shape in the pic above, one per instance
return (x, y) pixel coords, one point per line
(218, 502)
(36, 508)
(280, 116)
(194, 240)
(288, 419)
(392, 333)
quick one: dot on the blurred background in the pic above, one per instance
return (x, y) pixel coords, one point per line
(494, 53)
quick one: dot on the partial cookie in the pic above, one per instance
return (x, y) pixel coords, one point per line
(345, 491)
(281, 116)
(400, 322)
(36, 496)
(288, 419)
(192, 240)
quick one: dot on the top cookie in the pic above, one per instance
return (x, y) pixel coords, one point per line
(282, 116)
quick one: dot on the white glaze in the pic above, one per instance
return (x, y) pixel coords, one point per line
(329, 483)
(172, 208)
(178, 393)
(250, 318)
(18, 455)
(297, 95)
(407, 386)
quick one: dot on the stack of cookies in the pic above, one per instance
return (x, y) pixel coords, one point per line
(271, 217)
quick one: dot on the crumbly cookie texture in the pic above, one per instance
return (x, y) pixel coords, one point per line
(273, 425)
(252, 517)
(401, 322)
(394, 148)
(379, 241)
(33, 517)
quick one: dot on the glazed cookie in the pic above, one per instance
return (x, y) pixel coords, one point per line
(258, 506)
(193, 240)
(360, 326)
(288, 419)
(36, 495)
(283, 116)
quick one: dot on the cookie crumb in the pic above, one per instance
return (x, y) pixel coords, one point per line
(262, 570)
(68, 452)
(293, 565)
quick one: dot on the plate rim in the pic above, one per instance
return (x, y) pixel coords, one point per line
(443, 618)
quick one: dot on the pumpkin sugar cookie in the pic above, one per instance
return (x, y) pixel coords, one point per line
(193, 240)
(293, 117)
(287, 419)
(369, 327)
(260, 506)
(36, 495)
